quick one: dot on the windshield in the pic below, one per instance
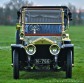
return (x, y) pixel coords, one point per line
(43, 16)
(42, 21)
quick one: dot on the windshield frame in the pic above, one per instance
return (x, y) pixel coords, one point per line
(23, 17)
(25, 9)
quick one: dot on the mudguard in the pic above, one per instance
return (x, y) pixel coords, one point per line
(67, 46)
(16, 47)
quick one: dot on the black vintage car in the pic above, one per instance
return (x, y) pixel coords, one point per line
(42, 43)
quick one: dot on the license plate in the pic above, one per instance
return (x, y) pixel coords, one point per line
(42, 61)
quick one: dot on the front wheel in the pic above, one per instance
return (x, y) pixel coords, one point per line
(18, 37)
(15, 64)
(69, 64)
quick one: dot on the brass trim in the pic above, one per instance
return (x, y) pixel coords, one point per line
(23, 20)
(62, 20)
(42, 23)
(42, 40)
(44, 8)
(18, 26)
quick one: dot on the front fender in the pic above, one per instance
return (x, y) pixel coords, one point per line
(67, 46)
(17, 47)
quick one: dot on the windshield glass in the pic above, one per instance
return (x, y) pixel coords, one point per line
(42, 22)
(43, 16)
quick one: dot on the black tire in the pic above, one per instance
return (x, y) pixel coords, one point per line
(17, 37)
(15, 65)
(69, 65)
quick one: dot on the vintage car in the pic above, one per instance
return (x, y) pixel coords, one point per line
(42, 43)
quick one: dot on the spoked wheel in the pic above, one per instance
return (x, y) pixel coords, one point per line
(15, 64)
(69, 64)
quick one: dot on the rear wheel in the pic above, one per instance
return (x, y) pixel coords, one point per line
(69, 64)
(15, 64)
